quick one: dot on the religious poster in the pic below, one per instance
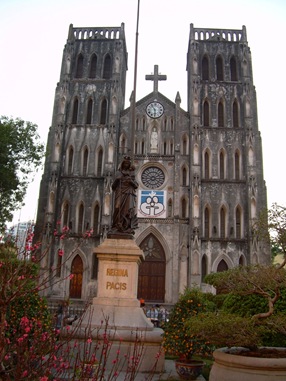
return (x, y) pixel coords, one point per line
(152, 204)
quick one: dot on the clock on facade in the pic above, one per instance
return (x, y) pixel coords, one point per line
(155, 110)
(152, 177)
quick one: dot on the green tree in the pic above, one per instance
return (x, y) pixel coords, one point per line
(21, 154)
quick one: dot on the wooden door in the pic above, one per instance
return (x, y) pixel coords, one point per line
(76, 281)
(151, 280)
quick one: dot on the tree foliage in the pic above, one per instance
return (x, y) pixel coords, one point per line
(21, 154)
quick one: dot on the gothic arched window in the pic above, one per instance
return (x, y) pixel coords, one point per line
(207, 222)
(107, 67)
(233, 69)
(99, 162)
(70, 161)
(95, 224)
(75, 111)
(222, 222)
(238, 223)
(220, 117)
(219, 68)
(92, 68)
(103, 112)
(184, 208)
(237, 165)
(85, 162)
(222, 266)
(206, 114)
(207, 165)
(79, 66)
(221, 165)
(184, 176)
(204, 267)
(80, 224)
(205, 68)
(235, 120)
(89, 111)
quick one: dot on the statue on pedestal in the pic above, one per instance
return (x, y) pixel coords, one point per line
(124, 219)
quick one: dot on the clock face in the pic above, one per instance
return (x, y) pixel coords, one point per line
(155, 109)
(153, 177)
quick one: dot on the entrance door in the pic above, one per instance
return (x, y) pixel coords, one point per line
(76, 281)
(151, 280)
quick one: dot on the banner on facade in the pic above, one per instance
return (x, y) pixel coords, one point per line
(152, 204)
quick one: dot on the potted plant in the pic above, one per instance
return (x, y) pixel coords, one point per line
(242, 335)
(178, 342)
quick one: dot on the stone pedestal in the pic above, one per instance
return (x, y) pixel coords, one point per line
(117, 304)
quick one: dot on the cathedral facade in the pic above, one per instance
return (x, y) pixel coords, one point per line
(199, 171)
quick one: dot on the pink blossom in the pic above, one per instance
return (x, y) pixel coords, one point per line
(89, 340)
(45, 378)
(60, 252)
(25, 373)
(71, 276)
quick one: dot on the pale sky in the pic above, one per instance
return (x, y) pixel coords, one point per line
(33, 34)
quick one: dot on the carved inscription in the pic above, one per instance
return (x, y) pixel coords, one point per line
(116, 285)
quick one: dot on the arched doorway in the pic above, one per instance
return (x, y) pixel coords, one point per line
(151, 280)
(76, 281)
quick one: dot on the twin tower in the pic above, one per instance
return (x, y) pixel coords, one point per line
(199, 171)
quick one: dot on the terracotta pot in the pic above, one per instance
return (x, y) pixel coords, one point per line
(189, 369)
(231, 367)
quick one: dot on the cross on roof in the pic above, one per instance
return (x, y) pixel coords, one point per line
(155, 77)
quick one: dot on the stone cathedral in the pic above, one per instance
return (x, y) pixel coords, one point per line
(199, 171)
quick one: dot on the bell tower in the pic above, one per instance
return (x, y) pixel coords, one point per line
(82, 150)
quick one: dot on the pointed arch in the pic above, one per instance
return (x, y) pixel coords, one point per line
(80, 218)
(107, 67)
(223, 222)
(103, 111)
(185, 147)
(235, 114)
(89, 111)
(184, 176)
(205, 69)
(76, 280)
(238, 222)
(220, 114)
(93, 66)
(85, 161)
(233, 69)
(222, 266)
(207, 222)
(222, 164)
(237, 158)
(219, 68)
(79, 66)
(184, 207)
(70, 156)
(99, 161)
(206, 113)
(207, 166)
(204, 267)
(75, 111)
(95, 219)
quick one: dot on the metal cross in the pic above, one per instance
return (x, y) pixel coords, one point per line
(155, 77)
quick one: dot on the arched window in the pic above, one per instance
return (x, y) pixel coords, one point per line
(184, 208)
(89, 112)
(207, 165)
(95, 224)
(142, 147)
(80, 224)
(75, 111)
(165, 148)
(206, 114)
(184, 176)
(65, 214)
(233, 69)
(221, 165)
(238, 223)
(76, 280)
(92, 68)
(204, 267)
(205, 68)
(85, 162)
(219, 68)
(237, 165)
(235, 121)
(103, 111)
(70, 161)
(107, 67)
(220, 112)
(79, 67)
(99, 162)
(222, 222)
(222, 266)
(207, 222)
